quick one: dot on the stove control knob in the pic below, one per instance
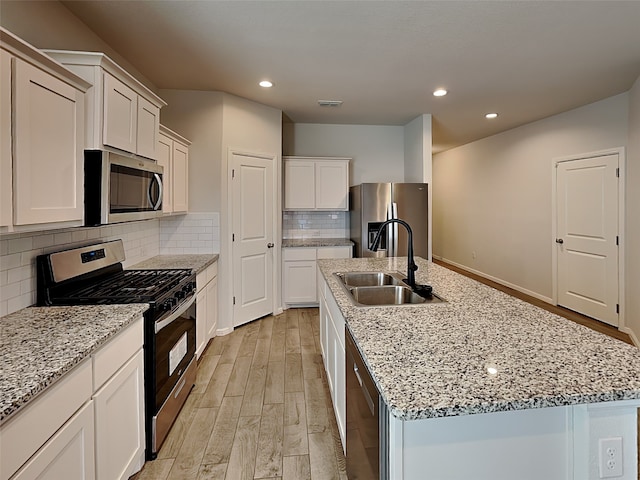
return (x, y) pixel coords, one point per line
(167, 305)
(180, 294)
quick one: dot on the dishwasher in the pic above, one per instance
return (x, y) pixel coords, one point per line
(367, 420)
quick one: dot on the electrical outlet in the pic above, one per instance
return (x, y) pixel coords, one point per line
(610, 450)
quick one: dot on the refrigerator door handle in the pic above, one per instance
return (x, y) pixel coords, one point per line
(394, 212)
(390, 237)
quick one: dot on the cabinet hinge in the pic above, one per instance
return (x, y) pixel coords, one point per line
(618, 172)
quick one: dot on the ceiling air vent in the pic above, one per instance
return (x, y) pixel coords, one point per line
(329, 103)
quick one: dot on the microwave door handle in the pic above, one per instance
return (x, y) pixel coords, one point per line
(158, 203)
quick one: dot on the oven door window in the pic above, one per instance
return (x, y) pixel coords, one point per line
(134, 190)
(175, 348)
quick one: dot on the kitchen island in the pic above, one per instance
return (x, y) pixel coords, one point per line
(486, 386)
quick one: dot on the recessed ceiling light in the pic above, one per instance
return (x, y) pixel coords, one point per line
(441, 92)
(266, 84)
(491, 115)
(329, 103)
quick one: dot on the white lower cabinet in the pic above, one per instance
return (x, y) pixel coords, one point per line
(299, 286)
(333, 354)
(206, 307)
(119, 410)
(68, 455)
(88, 425)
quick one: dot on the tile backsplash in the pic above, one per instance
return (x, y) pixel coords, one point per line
(191, 233)
(315, 224)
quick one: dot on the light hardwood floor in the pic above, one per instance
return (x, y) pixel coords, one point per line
(260, 409)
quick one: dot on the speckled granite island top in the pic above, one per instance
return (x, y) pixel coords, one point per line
(316, 242)
(432, 360)
(193, 262)
(38, 345)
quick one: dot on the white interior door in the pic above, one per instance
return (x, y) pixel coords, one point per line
(253, 243)
(587, 236)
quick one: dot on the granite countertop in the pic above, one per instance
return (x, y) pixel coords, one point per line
(431, 360)
(193, 262)
(316, 242)
(38, 345)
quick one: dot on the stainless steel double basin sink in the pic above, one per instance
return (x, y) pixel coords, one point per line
(367, 289)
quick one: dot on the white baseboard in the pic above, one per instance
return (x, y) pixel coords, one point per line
(221, 332)
(498, 280)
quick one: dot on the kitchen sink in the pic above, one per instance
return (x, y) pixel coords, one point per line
(384, 288)
(368, 279)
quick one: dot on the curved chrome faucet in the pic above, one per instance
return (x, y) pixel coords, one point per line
(411, 264)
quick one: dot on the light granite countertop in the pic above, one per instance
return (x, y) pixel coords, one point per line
(168, 262)
(38, 345)
(316, 242)
(431, 360)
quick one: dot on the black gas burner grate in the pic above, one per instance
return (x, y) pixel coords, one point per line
(130, 286)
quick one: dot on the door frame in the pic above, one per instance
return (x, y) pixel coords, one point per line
(620, 151)
(277, 227)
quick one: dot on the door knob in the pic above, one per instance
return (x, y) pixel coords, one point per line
(560, 241)
(270, 245)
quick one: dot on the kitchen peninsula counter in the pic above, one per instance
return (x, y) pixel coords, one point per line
(316, 242)
(39, 345)
(431, 360)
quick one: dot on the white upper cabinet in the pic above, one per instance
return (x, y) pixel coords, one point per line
(316, 183)
(173, 155)
(41, 156)
(121, 112)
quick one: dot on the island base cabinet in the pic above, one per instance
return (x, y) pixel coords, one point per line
(558, 443)
(119, 412)
(68, 455)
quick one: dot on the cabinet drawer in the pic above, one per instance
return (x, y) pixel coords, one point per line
(334, 252)
(303, 253)
(24, 434)
(108, 359)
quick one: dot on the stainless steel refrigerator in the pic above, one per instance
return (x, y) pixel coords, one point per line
(373, 203)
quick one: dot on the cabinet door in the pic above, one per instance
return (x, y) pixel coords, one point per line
(332, 185)
(148, 128)
(201, 319)
(48, 143)
(300, 282)
(180, 176)
(165, 150)
(212, 308)
(69, 454)
(324, 322)
(299, 185)
(120, 115)
(119, 413)
(6, 175)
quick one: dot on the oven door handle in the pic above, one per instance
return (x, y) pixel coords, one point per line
(175, 315)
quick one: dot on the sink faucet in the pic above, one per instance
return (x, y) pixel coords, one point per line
(411, 264)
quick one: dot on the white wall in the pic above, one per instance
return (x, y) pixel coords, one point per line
(493, 196)
(632, 221)
(377, 150)
(197, 116)
(48, 24)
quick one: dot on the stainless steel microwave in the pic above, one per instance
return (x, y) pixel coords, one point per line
(120, 189)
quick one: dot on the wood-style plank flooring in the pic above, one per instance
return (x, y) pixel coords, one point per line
(260, 409)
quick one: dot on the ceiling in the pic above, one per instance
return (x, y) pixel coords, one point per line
(525, 60)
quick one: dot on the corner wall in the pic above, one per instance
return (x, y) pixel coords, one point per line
(492, 197)
(632, 220)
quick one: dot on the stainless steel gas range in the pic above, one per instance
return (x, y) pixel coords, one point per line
(94, 275)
